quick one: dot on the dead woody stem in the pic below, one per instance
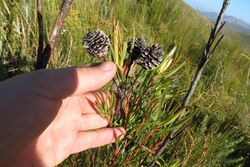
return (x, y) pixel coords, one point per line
(43, 59)
(40, 29)
(208, 51)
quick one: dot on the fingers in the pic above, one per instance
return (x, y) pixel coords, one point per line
(65, 82)
(97, 138)
(93, 78)
(91, 121)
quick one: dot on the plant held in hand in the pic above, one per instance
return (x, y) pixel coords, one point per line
(136, 48)
(97, 43)
(146, 56)
(151, 57)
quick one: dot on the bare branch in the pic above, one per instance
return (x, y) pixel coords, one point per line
(40, 29)
(215, 46)
(221, 15)
(54, 36)
(205, 57)
(221, 26)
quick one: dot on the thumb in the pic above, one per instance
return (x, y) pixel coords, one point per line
(62, 83)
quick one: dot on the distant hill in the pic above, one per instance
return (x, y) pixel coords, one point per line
(232, 22)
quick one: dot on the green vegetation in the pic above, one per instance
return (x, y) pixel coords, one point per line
(218, 133)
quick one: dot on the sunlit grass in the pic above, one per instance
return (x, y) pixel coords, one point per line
(222, 96)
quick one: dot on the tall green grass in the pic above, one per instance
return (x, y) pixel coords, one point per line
(216, 136)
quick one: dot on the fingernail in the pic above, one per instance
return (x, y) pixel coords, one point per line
(107, 66)
(123, 132)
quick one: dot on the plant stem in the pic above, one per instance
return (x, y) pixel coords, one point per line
(121, 94)
(54, 36)
(205, 57)
(122, 91)
(40, 29)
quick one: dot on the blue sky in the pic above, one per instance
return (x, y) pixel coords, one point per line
(237, 8)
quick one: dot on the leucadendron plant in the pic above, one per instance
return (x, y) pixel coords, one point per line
(140, 91)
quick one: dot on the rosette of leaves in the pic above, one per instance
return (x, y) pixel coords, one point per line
(96, 43)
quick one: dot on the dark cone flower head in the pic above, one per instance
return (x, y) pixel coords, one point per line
(96, 43)
(151, 57)
(139, 46)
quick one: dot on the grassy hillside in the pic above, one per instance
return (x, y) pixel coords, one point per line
(218, 134)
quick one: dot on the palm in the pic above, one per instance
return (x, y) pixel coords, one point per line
(58, 140)
(48, 128)
(61, 137)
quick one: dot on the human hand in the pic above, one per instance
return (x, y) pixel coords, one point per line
(48, 114)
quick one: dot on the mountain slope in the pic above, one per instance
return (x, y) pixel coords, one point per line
(232, 22)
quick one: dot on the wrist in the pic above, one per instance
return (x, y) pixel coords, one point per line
(28, 158)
